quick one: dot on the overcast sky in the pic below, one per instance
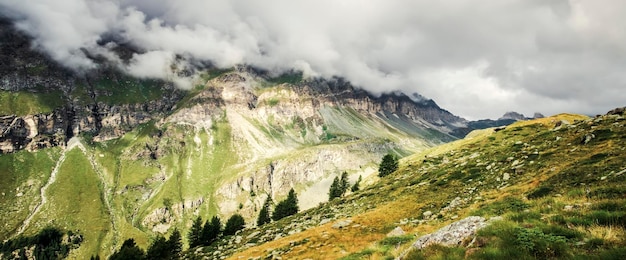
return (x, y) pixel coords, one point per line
(476, 58)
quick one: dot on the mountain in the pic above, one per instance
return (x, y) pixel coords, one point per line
(507, 119)
(108, 157)
(545, 188)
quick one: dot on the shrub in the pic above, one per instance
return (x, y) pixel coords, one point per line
(539, 244)
(392, 241)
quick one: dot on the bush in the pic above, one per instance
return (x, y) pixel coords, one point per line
(392, 241)
(539, 244)
(512, 241)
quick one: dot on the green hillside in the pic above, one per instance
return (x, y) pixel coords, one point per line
(557, 183)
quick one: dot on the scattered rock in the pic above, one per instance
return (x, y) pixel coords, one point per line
(568, 208)
(343, 223)
(254, 234)
(324, 221)
(506, 176)
(427, 214)
(396, 232)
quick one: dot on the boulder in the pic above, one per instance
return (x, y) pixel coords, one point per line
(396, 232)
(453, 234)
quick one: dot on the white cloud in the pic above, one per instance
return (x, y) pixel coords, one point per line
(475, 58)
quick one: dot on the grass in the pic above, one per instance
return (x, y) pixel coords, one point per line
(24, 103)
(22, 174)
(75, 203)
(125, 90)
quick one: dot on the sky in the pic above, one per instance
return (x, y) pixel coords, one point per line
(475, 58)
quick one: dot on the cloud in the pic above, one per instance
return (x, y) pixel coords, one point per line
(475, 58)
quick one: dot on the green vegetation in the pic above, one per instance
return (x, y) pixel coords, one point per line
(126, 90)
(195, 233)
(287, 77)
(234, 224)
(357, 185)
(264, 213)
(287, 207)
(78, 183)
(388, 165)
(339, 186)
(22, 175)
(211, 230)
(26, 103)
(47, 244)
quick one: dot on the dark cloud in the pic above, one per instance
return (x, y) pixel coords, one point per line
(475, 58)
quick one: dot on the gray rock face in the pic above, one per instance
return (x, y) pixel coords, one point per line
(452, 234)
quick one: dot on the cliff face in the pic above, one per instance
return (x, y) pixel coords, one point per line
(102, 103)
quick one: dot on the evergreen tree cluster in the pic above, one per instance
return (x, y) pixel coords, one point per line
(340, 186)
(160, 249)
(204, 235)
(287, 207)
(284, 208)
(48, 244)
(388, 165)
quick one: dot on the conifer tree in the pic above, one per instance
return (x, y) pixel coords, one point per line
(195, 233)
(335, 190)
(234, 224)
(344, 183)
(264, 213)
(357, 185)
(129, 250)
(388, 165)
(211, 230)
(287, 207)
(158, 249)
(175, 244)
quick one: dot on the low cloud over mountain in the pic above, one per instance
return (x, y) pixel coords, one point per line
(476, 59)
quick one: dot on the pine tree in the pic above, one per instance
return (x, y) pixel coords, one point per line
(175, 244)
(264, 213)
(195, 233)
(357, 185)
(129, 250)
(158, 249)
(211, 230)
(388, 165)
(287, 207)
(344, 183)
(335, 190)
(234, 224)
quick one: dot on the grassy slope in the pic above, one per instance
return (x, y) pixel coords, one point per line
(533, 154)
(26, 103)
(22, 172)
(75, 203)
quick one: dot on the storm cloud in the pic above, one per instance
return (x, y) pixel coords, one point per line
(477, 59)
